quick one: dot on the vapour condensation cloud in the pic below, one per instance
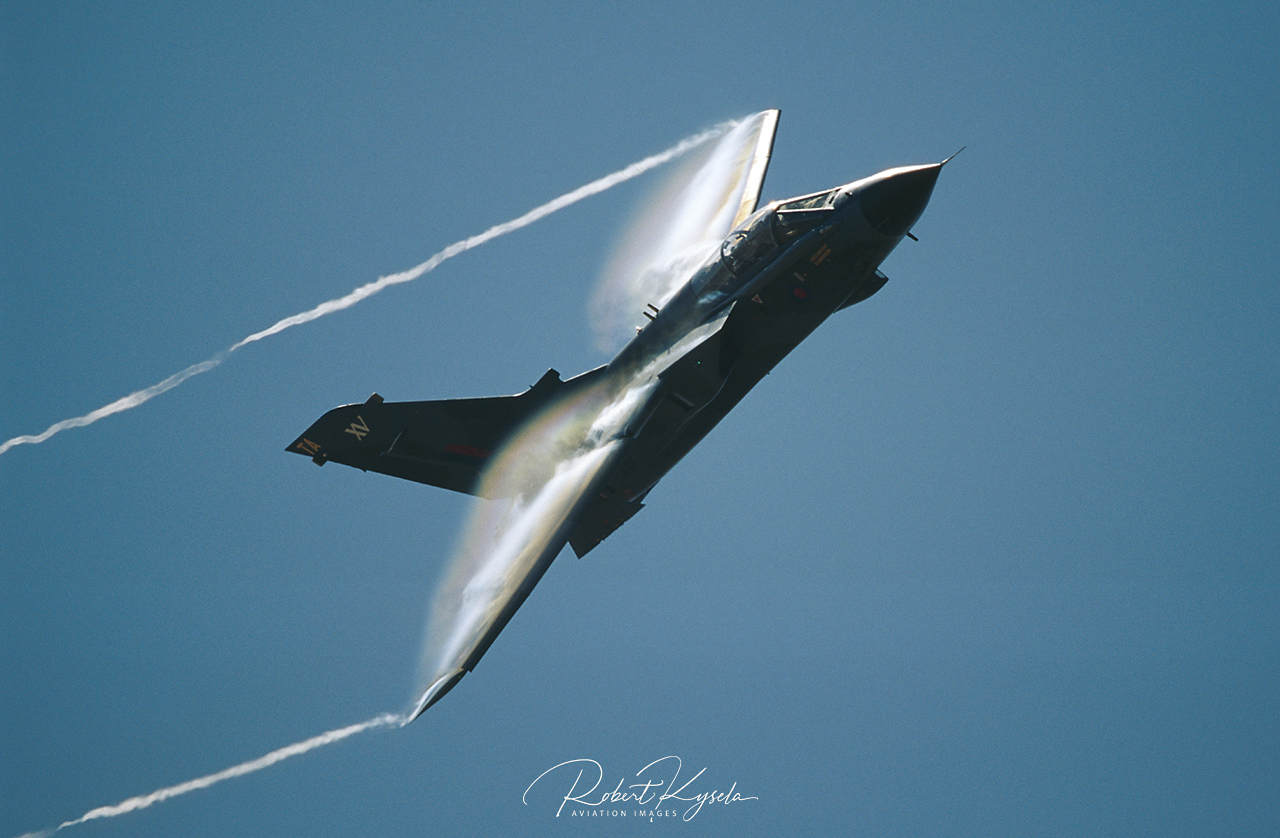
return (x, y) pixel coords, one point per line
(550, 464)
(560, 491)
(355, 296)
(367, 290)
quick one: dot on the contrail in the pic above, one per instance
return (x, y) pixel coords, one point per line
(369, 289)
(130, 401)
(143, 801)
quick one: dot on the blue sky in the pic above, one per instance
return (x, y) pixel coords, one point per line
(993, 552)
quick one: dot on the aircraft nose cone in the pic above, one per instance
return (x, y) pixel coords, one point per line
(894, 202)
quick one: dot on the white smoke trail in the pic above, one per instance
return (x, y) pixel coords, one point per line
(130, 401)
(369, 289)
(267, 760)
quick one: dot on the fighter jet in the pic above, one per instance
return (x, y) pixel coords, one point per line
(610, 434)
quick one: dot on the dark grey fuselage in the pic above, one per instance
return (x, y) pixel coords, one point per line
(777, 276)
(803, 271)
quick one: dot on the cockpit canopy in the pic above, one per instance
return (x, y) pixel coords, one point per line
(818, 200)
(760, 235)
(773, 226)
(745, 246)
(803, 213)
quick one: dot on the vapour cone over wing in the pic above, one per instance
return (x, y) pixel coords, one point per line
(679, 224)
(544, 476)
(553, 466)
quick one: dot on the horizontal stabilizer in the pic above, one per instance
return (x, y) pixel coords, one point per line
(445, 443)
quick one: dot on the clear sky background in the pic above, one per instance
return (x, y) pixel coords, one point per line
(994, 552)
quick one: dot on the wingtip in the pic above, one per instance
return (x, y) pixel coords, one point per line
(434, 693)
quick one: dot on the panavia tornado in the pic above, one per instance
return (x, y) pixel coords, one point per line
(576, 458)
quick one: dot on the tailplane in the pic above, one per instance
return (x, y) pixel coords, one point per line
(445, 443)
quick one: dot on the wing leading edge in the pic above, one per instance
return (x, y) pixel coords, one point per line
(758, 167)
(506, 548)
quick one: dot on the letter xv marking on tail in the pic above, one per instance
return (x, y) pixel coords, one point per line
(358, 429)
